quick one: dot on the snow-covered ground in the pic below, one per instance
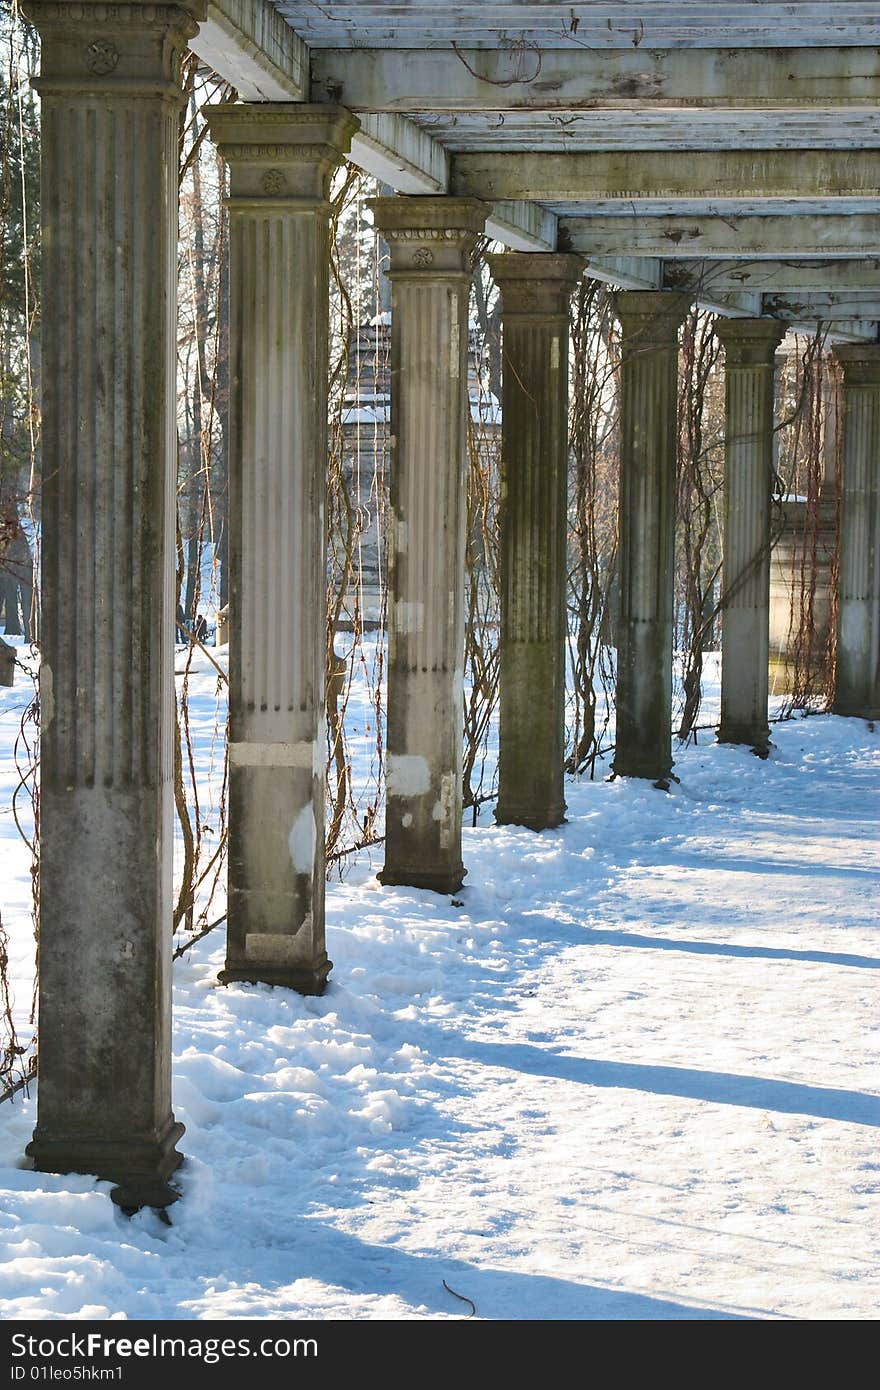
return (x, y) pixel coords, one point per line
(629, 1073)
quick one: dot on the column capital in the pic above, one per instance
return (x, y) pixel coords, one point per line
(652, 317)
(535, 284)
(280, 152)
(123, 49)
(750, 342)
(429, 235)
(860, 363)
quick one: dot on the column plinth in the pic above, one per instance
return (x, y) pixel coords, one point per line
(111, 97)
(535, 291)
(650, 321)
(281, 158)
(430, 240)
(749, 347)
(857, 685)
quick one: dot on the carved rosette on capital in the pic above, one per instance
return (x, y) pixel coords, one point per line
(125, 49)
(280, 152)
(536, 291)
(431, 241)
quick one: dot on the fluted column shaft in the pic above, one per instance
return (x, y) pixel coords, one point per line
(749, 349)
(650, 321)
(281, 158)
(535, 292)
(110, 97)
(857, 687)
(430, 241)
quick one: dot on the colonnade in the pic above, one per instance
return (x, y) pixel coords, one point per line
(111, 95)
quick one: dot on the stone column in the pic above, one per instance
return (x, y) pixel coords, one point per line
(110, 101)
(650, 321)
(430, 241)
(749, 350)
(535, 292)
(857, 690)
(281, 158)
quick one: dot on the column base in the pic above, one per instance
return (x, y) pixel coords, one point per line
(652, 770)
(850, 709)
(139, 1167)
(758, 739)
(303, 979)
(526, 816)
(437, 881)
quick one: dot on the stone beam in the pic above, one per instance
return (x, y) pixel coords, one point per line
(582, 78)
(248, 44)
(734, 305)
(403, 155)
(398, 152)
(823, 306)
(775, 277)
(649, 273)
(627, 272)
(708, 235)
(523, 226)
(841, 330)
(587, 176)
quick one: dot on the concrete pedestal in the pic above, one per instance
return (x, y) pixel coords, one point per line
(430, 240)
(281, 159)
(857, 690)
(749, 346)
(535, 291)
(650, 321)
(110, 100)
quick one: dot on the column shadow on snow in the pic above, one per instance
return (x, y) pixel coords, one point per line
(316, 1250)
(607, 937)
(720, 1088)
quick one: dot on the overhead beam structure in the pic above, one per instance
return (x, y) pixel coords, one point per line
(578, 79)
(633, 175)
(709, 234)
(783, 276)
(248, 43)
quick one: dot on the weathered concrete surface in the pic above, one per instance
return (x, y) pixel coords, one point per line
(583, 175)
(397, 152)
(250, 46)
(281, 160)
(535, 291)
(110, 99)
(570, 79)
(811, 277)
(749, 347)
(430, 241)
(857, 689)
(650, 321)
(793, 232)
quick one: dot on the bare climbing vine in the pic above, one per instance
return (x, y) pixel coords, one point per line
(594, 418)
